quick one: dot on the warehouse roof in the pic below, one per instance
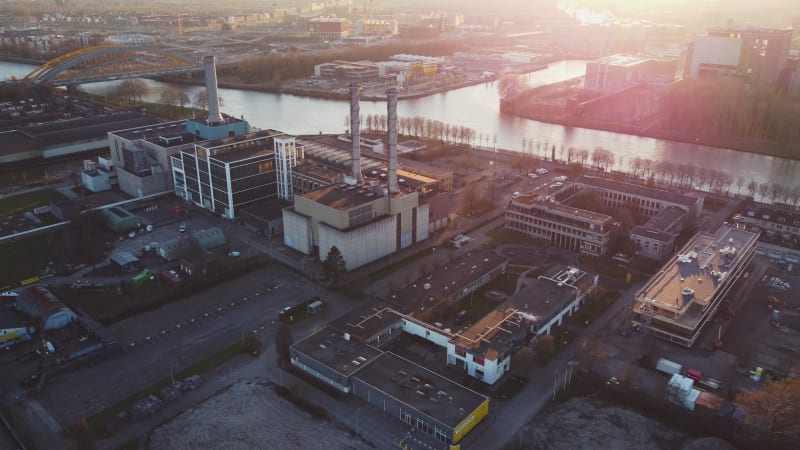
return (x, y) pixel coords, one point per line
(421, 389)
(337, 351)
(366, 322)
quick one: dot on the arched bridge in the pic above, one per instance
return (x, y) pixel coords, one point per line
(110, 62)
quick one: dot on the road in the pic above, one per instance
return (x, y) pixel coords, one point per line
(506, 418)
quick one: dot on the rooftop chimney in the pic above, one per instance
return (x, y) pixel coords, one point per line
(355, 132)
(391, 105)
(210, 66)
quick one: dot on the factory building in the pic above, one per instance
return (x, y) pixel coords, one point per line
(365, 217)
(230, 173)
(684, 295)
(143, 155)
(328, 28)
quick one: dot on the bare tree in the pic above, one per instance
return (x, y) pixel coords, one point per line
(763, 190)
(752, 187)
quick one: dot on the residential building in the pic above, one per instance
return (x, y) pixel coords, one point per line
(681, 299)
(772, 220)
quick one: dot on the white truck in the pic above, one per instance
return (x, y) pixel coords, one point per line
(668, 367)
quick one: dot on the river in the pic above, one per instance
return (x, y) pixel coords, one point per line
(477, 107)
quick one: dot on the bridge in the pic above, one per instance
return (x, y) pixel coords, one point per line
(110, 62)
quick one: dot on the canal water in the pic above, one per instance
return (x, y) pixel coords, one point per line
(476, 107)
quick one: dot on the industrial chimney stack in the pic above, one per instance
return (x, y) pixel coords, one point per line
(210, 66)
(355, 132)
(391, 106)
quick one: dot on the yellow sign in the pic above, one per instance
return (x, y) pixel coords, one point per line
(29, 281)
(470, 421)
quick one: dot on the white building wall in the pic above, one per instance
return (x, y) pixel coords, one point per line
(417, 329)
(423, 227)
(297, 231)
(360, 245)
(715, 50)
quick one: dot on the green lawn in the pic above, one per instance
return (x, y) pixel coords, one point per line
(20, 203)
(27, 257)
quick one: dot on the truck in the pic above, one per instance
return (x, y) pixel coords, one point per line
(668, 367)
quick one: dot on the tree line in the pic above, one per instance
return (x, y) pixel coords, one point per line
(275, 67)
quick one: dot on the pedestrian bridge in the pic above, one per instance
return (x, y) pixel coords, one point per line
(110, 62)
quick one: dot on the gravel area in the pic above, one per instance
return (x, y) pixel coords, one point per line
(586, 422)
(250, 416)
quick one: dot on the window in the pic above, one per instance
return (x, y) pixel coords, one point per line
(406, 417)
(479, 361)
(266, 166)
(461, 352)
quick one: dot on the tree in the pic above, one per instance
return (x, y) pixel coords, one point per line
(183, 98)
(334, 264)
(752, 186)
(283, 344)
(169, 97)
(133, 90)
(774, 410)
(201, 99)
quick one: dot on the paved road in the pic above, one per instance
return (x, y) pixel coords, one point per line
(511, 416)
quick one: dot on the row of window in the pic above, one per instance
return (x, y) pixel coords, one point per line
(555, 227)
(408, 417)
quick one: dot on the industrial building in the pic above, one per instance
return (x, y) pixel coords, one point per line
(66, 137)
(328, 28)
(684, 295)
(758, 55)
(99, 176)
(40, 303)
(368, 214)
(186, 245)
(120, 220)
(616, 72)
(143, 155)
(226, 174)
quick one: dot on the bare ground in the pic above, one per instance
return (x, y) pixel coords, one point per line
(250, 416)
(587, 422)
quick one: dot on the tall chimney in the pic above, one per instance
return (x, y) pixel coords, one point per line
(355, 132)
(391, 106)
(210, 66)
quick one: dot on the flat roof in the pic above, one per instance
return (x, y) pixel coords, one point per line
(97, 127)
(691, 278)
(329, 347)
(635, 189)
(621, 60)
(536, 304)
(366, 321)
(431, 288)
(151, 131)
(15, 141)
(345, 197)
(421, 389)
(665, 218)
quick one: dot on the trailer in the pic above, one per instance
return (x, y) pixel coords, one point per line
(668, 367)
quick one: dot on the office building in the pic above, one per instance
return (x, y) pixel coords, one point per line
(681, 299)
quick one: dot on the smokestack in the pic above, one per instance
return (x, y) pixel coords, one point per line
(391, 106)
(210, 66)
(355, 132)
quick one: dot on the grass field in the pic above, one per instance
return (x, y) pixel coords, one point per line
(28, 257)
(20, 203)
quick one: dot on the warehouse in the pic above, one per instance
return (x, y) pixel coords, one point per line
(428, 402)
(41, 303)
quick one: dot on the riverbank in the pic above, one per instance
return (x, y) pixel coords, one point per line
(760, 148)
(329, 95)
(20, 60)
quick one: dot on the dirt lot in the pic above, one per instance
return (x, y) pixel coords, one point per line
(250, 416)
(580, 421)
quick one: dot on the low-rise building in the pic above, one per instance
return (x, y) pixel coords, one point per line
(99, 176)
(43, 305)
(541, 215)
(617, 72)
(684, 295)
(656, 238)
(772, 220)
